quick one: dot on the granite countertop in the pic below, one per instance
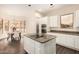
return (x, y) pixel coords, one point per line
(70, 31)
(65, 29)
(44, 39)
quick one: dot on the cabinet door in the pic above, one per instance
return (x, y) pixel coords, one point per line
(77, 42)
(54, 21)
(61, 39)
(29, 45)
(70, 41)
(64, 39)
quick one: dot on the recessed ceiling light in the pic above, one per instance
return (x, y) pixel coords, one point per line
(51, 4)
(29, 5)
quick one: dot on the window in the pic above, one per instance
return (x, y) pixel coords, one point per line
(1, 25)
(66, 21)
(7, 25)
(19, 24)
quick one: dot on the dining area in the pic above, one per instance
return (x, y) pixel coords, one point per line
(9, 45)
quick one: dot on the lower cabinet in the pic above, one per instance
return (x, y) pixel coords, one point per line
(34, 47)
(61, 40)
(77, 43)
(46, 48)
(70, 41)
(29, 45)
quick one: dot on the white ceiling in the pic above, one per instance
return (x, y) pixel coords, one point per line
(25, 10)
(24, 6)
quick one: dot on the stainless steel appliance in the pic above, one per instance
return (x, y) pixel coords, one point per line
(41, 30)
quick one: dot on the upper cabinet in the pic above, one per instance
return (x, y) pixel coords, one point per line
(43, 20)
(54, 21)
(76, 19)
(72, 20)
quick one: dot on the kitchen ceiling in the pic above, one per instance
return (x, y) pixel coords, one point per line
(28, 10)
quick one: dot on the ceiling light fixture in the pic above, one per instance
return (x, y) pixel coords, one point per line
(29, 5)
(51, 4)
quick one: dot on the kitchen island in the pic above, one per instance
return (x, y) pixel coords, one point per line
(40, 45)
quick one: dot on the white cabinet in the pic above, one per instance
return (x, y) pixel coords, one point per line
(45, 48)
(77, 42)
(29, 45)
(70, 41)
(60, 38)
(54, 21)
(35, 47)
(76, 19)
